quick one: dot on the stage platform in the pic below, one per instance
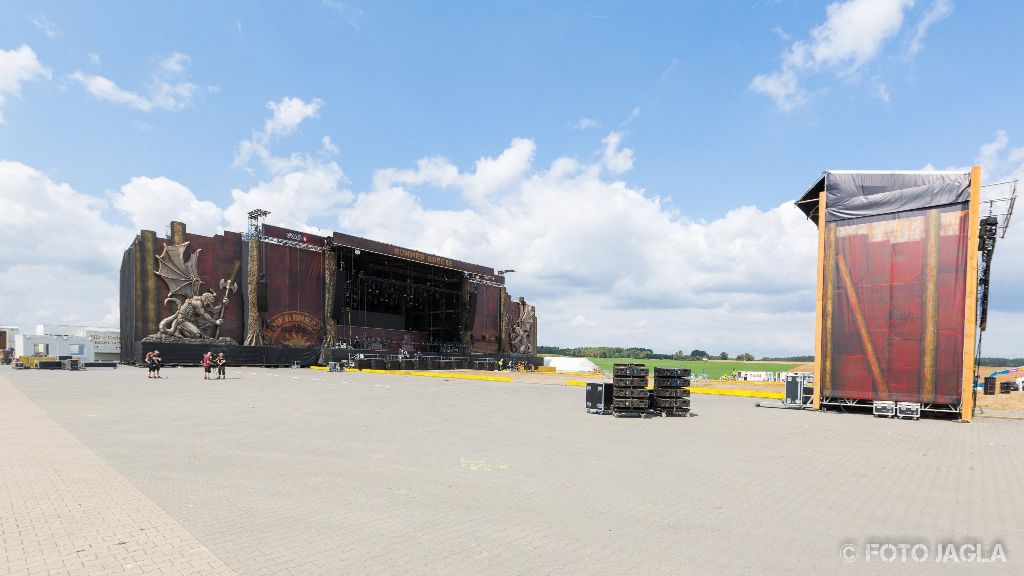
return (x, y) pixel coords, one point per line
(287, 356)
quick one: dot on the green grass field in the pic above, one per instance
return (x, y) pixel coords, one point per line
(714, 369)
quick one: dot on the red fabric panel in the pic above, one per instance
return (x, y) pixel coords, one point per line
(886, 257)
(295, 295)
(486, 322)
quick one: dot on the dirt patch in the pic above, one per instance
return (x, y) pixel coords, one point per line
(1012, 402)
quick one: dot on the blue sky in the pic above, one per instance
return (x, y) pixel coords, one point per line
(133, 103)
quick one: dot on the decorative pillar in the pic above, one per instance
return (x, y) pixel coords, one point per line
(253, 321)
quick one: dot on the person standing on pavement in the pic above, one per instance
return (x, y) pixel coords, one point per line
(149, 364)
(222, 363)
(157, 362)
(207, 363)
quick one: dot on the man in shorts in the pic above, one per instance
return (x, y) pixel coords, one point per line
(207, 365)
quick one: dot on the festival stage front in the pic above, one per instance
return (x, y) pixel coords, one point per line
(279, 297)
(897, 288)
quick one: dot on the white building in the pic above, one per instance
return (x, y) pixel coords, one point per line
(88, 343)
(7, 334)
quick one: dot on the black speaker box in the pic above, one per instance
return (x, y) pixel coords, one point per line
(629, 370)
(629, 381)
(666, 382)
(261, 296)
(338, 306)
(672, 372)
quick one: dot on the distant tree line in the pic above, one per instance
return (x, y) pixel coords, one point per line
(604, 352)
(988, 361)
(637, 353)
(698, 354)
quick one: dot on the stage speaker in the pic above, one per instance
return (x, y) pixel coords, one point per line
(338, 309)
(261, 296)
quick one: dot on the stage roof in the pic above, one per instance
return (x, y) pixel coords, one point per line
(415, 255)
(858, 193)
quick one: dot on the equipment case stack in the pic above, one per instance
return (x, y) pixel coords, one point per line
(671, 394)
(629, 390)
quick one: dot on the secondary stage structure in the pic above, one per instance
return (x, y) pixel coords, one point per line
(897, 287)
(307, 298)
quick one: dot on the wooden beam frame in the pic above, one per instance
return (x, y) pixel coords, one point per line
(819, 309)
(971, 299)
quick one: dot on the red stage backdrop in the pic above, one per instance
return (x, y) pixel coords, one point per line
(295, 289)
(894, 306)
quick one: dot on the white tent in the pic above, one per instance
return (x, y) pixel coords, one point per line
(566, 364)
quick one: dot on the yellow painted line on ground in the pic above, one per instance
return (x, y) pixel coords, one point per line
(574, 383)
(318, 367)
(438, 375)
(746, 393)
(769, 382)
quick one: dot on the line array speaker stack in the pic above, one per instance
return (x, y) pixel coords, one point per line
(629, 390)
(671, 394)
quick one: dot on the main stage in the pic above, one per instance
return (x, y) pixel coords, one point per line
(288, 297)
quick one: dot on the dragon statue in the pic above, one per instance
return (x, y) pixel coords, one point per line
(193, 312)
(522, 329)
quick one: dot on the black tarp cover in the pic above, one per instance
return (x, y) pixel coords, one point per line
(850, 194)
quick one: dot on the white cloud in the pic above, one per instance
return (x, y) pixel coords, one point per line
(598, 254)
(300, 187)
(175, 63)
(288, 113)
(782, 86)
(778, 31)
(615, 160)
(107, 89)
(43, 22)
(882, 92)
(286, 116)
(17, 67)
(168, 88)
(293, 198)
(347, 12)
(633, 115)
(585, 123)
(60, 257)
(95, 59)
(852, 35)
(151, 203)
(939, 11)
(671, 72)
(327, 147)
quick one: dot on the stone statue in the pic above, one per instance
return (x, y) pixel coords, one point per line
(522, 329)
(193, 312)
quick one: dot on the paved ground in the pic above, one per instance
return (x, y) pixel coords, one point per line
(304, 472)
